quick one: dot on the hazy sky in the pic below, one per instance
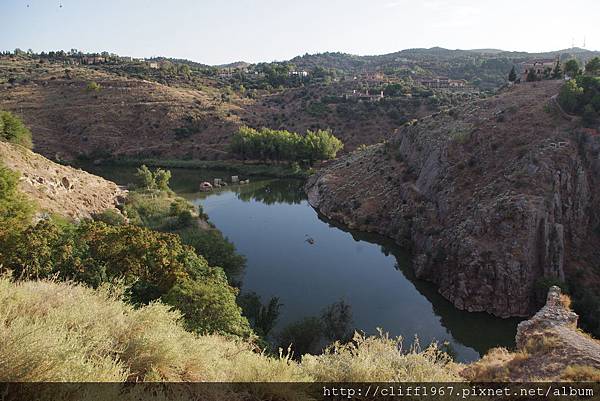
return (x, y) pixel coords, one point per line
(216, 32)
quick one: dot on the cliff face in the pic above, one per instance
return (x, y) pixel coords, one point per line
(60, 189)
(493, 197)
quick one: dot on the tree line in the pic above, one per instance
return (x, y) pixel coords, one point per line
(280, 145)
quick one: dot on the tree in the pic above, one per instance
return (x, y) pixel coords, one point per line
(337, 322)
(262, 317)
(145, 177)
(13, 130)
(557, 71)
(15, 209)
(572, 68)
(304, 336)
(321, 145)
(512, 75)
(208, 305)
(569, 96)
(593, 66)
(589, 116)
(161, 179)
(531, 76)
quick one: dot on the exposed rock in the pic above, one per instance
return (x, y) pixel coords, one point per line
(548, 345)
(60, 189)
(488, 207)
(553, 314)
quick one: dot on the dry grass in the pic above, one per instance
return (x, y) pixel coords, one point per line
(379, 359)
(66, 332)
(566, 301)
(492, 367)
(581, 373)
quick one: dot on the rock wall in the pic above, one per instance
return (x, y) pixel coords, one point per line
(493, 197)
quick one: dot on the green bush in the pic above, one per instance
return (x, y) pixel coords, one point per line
(93, 87)
(111, 217)
(208, 305)
(268, 144)
(217, 250)
(581, 96)
(15, 209)
(149, 264)
(13, 130)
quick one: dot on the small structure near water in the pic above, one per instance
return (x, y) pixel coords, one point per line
(206, 186)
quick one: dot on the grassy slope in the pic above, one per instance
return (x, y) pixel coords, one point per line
(66, 332)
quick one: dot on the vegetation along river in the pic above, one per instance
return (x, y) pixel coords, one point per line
(309, 263)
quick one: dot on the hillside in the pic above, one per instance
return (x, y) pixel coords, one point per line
(497, 198)
(138, 112)
(178, 109)
(125, 117)
(60, 189)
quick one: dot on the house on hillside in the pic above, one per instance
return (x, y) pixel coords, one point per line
(154, 65)
(298, 73)
(538, 66)
(444, 83)
(364, 97)
(93, 60)
(436, 83)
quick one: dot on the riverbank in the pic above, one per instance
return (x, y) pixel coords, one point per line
(250, 169)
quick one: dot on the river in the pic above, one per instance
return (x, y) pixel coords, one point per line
(309, 263)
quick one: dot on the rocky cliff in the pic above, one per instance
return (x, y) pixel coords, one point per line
(495, 197)
(60, 189)
(549, 348)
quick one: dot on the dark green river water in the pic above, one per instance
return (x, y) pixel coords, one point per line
(270, 221)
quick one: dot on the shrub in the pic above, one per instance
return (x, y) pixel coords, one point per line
(93, 87)
(150, 265)
(13, 130)
(15, 209)
(207, 308)
(379, 359)
(581, 373)
(304, 336)
(67, 332)
(70, 333)
(111, 217)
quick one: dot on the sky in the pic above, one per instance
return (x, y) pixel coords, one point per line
(223, 31)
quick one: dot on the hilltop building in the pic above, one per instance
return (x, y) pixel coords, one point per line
(538, 66)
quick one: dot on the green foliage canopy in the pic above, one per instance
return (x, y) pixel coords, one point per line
(152, 266)
(13, 130)
(267, 144)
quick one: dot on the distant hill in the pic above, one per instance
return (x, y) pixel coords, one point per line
(181, 109)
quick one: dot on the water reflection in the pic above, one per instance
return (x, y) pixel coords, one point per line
(480, 331)
(269, 221)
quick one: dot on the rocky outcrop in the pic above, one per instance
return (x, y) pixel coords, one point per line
(60, 189)
(549, 348)
(554, 315)
(494, 197)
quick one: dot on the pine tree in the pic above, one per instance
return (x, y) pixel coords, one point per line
(512, 76)
(557, 72)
